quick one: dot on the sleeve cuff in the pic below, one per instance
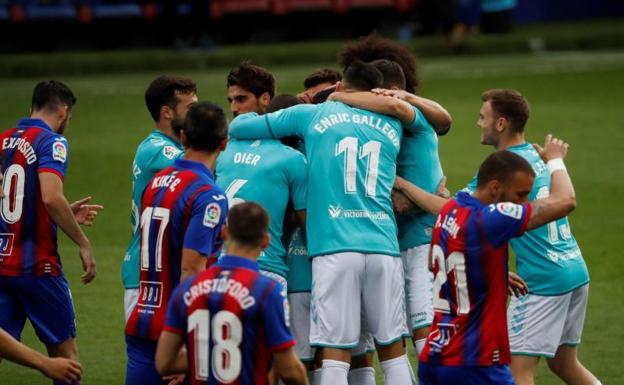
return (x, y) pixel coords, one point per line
(172, 329)
(51, 171)
(283, 346)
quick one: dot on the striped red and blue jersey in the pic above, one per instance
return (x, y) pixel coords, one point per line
(231, 318)
(28, 244)
(470, 263)
(182, 207)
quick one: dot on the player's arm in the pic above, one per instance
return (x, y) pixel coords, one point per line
(562, 198)
(60, 369)
(288, 368)
(192, 263)
(434, 112)
(429, 202)
(170, 357)
(377, 103)
(287, 122)
(61, 213)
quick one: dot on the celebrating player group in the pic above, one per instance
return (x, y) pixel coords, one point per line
(313, 230)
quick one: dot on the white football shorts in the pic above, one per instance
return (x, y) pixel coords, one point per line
(131, 297)
(418, 287)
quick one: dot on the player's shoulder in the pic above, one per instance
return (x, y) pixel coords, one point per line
(157, 145)
(505, 210)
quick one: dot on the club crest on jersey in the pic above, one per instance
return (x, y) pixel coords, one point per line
(510, 209)
(170, 152)
(212, 215)
(59, 152)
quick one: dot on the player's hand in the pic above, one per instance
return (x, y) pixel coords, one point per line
(399, 94)
(174, 379)
(85, 213)
(516, 285)
(62, 369)
(441, 190)
(402, 204)
(88, 264)
(553, 148)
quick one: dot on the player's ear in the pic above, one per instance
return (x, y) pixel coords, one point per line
(501, 124)
(224, 232)
(265, 99)
(266, 239)
(223, 144)
(496, 190)
(339, 86)
(166, 113)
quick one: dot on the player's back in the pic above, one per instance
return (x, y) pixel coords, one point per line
(270, 174)
(232, 318)
(352, 161)
(469, 252)
(171, 201)
(28, 239)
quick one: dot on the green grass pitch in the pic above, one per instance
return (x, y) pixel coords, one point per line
(577, 96)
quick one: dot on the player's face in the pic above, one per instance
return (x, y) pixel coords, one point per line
(243, 101)
(310, 92)
(518, 189)
(63, 125)
(487, 123)
(185, 101)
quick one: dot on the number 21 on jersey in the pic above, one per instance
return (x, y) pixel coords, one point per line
(453, 266)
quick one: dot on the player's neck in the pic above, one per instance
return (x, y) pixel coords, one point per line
(244, 252)
(47, 119)
(208, 160)
(510, 141)
(167, 130)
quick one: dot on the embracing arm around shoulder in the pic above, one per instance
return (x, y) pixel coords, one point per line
(425, 200)
(381, 104)
(562, 198)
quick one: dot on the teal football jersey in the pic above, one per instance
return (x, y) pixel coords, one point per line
(299, 264)
(352, 166)
(155, 153)
(270, 174)
(547, 258)
(419, 164)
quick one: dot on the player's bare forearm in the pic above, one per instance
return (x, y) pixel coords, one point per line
(170, 357)
(377, 103)
(192, 263)
(288, 368)
(425, 200)
(562, 198)
(437, 115)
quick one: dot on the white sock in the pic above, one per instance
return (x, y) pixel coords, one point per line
(362, 376)
(397, 371)
(598, 383)
(334, 373)
(419, 345)
(314, 376)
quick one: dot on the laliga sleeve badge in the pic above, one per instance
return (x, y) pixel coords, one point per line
(510, 209)
(212, 215)
(59, 152)
(170, 152)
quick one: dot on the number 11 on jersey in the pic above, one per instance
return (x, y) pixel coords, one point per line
(369, 150)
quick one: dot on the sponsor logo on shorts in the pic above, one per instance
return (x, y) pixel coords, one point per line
(212, 215)
(336, 212)
(510, 209)
(59, 152)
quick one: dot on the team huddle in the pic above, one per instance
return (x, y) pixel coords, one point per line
(310, 232)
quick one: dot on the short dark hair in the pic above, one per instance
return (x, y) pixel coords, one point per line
(163, 91)
(362, 76)
(205, 127)
(247, 224)
(282, 101)
(252, 78)
(509, 104)
(392, 72)
(50, 95)
(373, 47)
(320, 76)
(502, 166)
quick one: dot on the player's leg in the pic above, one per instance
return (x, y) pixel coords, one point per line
(300, 327)
(535, 326)
(418, 293)
(141, 367)
(565, 364)
(12, 315)
(131, 297)
(362, 371)
(335, 311)
(383, 298)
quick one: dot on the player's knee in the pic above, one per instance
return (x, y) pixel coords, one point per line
(563, 368)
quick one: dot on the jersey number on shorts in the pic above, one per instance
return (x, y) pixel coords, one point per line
(370, 150)
(232, 189)
(227, 335)
(456, 262)
(13, 187)
(149, 215)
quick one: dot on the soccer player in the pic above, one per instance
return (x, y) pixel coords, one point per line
(250, 88)
(272, 175)
(549, 321)
(468, 342)
(32, 284)
(61, 369)
(183, 211)
(351, 230)
(419, 163)
(230, 317)
(168, 99)
(318, 80)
